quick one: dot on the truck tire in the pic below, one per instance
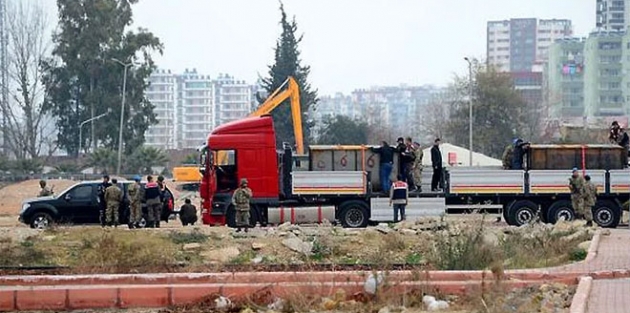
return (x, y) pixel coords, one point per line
(560, 208)
(353, 214)
(606, 213)
(522, 212)
(41, 220)
(506, 209)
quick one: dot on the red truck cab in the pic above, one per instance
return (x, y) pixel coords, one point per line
(250, 146)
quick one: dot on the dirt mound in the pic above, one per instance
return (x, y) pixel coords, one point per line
(11, 196)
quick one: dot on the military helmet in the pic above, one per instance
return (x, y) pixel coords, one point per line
(243, 181)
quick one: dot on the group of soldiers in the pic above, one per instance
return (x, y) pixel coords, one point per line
(409, 165)
(514, 154)
(583, 196)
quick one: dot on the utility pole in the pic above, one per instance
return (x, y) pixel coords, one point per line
(122, 111)
(470, 111)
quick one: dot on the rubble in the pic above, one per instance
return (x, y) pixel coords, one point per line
(297, 245)
(258, 245)
(383, 228)
(221, 255)
(192, 246)
(372, 282)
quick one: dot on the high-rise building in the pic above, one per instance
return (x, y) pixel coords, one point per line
(612, 15)
(564, 78)
(518, 45)
(196, 97)
(161, 93)
(603, 93)
(234, 99)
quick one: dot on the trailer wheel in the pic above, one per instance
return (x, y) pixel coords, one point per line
(606, 214)
(506, 209)
(522, 212)
(353, 214)
(560, 208)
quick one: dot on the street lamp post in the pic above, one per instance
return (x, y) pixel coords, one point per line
(81, 129)
(122, 111)
(470, 111)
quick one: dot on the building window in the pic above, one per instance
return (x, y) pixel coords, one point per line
(609, 45)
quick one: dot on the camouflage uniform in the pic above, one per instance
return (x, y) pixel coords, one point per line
(113, 196)
(590, 198)
(135, 196)
(240, 200)
(417, 167)
(576, 184)
(45, 192)
(508, 155)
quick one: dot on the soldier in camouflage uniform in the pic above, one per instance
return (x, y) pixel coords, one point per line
(113, 196)
(240, 200)
(135, 194)
(101, 199)
(45, 191)
(508, 155)
(590, 198)
(576, 185)
(417, 166)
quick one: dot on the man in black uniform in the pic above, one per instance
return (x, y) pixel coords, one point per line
(102, 205)
(436, 162)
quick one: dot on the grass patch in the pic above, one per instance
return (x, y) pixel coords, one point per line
(195, 236)
(577, 254)
(25, 253)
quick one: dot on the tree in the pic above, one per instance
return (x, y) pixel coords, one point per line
(27, 45)
(342, 130)
(288, 63)
(497, 109)
(436, 114)
(144, 159)
(82, 80)
(103, 159)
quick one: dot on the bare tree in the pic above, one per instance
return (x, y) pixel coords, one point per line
(436, 114)
(28, 44)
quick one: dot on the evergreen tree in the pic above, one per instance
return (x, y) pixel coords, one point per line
(288, 63)
(83, 81)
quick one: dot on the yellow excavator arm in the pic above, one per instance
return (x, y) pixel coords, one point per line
(291, 92)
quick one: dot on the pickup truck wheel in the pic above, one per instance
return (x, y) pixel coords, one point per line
(354, 214)
(560, 208)
(41, 220)
(522, 212)
(606, 214)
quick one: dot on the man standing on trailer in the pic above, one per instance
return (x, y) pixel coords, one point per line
(590, 198)
(576, 185)
(508, 155)
(386, 162)
(398, 197)
(240, 200)
(436, 162)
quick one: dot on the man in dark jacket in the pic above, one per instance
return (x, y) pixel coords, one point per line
(521, 148)
(101, 198)
(188, 213)
(436, 162)
(386, 161)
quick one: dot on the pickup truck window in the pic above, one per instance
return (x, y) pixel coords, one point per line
(81, 192)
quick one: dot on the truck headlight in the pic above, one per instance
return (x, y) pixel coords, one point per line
(25, 207)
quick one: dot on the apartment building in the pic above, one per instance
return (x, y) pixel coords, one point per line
(161, 93)
(564, 78)
(234, 99)
(519, 45)
(603, 93)
(197, 100)
(612, 15)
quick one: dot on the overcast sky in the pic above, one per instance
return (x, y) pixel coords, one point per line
(349, 44)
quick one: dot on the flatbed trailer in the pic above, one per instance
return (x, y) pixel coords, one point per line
(340, 183)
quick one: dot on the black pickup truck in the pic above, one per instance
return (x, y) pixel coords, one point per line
(79, 204)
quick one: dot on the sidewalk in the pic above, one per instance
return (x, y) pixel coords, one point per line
(609, 296)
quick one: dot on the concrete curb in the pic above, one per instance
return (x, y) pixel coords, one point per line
(593, 247)
(19, 298)
(580, 299)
